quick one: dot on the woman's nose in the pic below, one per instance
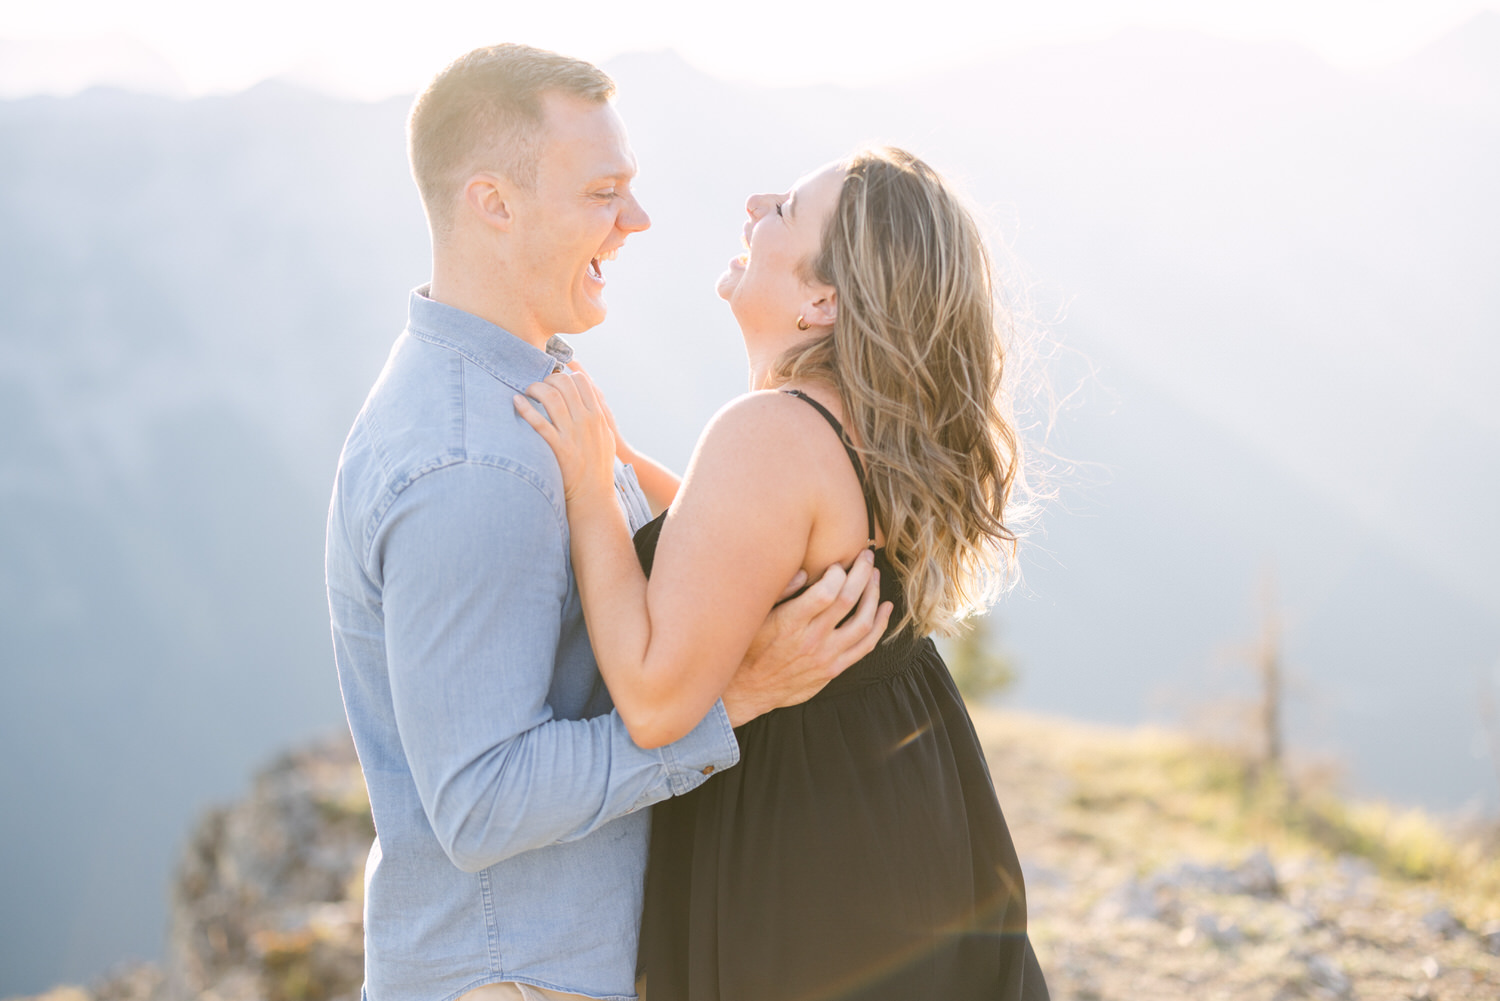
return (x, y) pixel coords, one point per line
(759, 205)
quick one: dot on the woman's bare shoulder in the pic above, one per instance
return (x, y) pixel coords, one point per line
(770, 448)
(772, 416)
(765, 443)
(770, 465)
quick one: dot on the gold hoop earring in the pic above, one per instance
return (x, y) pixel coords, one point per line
(803, 324)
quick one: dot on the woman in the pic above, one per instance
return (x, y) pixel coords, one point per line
(857, 850)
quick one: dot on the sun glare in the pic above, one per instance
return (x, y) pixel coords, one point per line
(373, 51)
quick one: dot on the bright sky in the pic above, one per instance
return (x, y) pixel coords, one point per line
(374, 48)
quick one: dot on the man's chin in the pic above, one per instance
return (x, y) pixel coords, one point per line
(585, 319)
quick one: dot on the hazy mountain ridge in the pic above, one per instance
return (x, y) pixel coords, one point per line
(1288, 293)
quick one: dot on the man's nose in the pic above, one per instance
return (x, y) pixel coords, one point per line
(634, 218)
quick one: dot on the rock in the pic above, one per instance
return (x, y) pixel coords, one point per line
(1304, 919)
(1130, 900)
(265, 904)
(1085, 987)
(1226, 932)
(132, 982)
(1040, 875)
(1185, 875)
(1355, 873)
(1325, 973)
(136, 982)
(1219, 932)
(1442, 922)
(1256, 875)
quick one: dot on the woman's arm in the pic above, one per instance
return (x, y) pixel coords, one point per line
(738, 531)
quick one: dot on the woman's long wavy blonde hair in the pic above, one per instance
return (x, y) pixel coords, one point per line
(916, 353)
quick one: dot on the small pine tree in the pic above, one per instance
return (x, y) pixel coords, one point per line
(978, 667)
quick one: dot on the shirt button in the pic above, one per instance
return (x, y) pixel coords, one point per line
(709, 770)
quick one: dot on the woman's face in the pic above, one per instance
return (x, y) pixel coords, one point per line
(765, 286)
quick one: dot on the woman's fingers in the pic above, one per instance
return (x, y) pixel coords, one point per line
(564, 409)
(550, 398)
(536, 416)
(592, 397)
(563, 399)
(602, 405)
(565, 384)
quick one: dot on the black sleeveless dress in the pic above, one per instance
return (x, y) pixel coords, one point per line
(856, 853)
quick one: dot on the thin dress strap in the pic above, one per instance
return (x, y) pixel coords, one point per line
(859, 469)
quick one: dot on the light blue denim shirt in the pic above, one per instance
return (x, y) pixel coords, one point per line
(509, 800)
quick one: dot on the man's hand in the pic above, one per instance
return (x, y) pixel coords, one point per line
(801, 646)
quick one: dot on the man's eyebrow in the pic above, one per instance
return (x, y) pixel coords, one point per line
(622, 169)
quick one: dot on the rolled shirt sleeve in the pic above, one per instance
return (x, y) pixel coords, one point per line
(473, 560)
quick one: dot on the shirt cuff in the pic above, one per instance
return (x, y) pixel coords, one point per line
(709, 747)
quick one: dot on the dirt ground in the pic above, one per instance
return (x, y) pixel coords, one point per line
(1139, 891)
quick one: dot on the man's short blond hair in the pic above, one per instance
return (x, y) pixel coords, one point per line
(484, 111)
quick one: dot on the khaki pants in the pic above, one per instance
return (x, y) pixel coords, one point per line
(526, 992)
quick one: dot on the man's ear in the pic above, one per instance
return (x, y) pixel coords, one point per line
(491, 199)
(822, 309)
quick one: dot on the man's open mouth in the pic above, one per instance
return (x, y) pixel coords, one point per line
(596, 264)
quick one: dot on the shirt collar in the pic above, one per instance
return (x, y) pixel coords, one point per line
(492, 348)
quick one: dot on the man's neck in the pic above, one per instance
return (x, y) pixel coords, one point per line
(480, 299)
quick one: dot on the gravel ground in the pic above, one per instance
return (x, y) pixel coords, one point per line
(1129, 898)
(1144, 881)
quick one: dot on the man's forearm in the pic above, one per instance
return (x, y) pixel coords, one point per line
(475, 590)
(561, 781)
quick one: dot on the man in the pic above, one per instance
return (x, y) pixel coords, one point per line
(509, 801)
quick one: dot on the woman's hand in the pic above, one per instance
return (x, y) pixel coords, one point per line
(623, 451)
(657, 482)
(574, 422)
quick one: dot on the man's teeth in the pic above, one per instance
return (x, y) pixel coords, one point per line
(595, 268)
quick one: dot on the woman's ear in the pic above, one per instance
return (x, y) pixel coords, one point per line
(823, 309)
(489, 198)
